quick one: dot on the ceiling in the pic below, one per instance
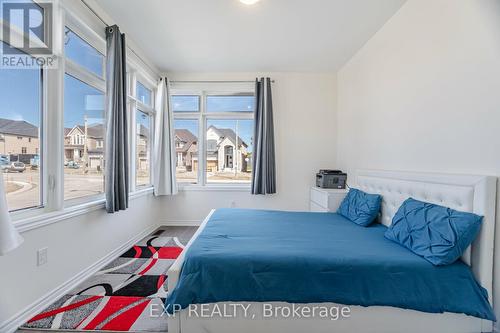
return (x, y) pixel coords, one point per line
(228, 36)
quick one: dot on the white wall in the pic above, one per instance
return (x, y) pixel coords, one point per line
(424, 94)
(73, 245)
(305, 126)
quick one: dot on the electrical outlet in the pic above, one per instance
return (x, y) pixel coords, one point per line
(42, 256)
(233, 204)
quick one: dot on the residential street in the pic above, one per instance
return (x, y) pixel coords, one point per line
(25, 191)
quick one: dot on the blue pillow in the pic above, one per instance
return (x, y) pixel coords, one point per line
(439, 234)
(360, 207)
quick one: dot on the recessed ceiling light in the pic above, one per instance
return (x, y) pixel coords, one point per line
(249, 2)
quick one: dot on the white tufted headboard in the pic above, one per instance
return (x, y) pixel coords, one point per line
(467, 193)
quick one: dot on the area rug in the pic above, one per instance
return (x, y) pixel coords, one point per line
(125, 296)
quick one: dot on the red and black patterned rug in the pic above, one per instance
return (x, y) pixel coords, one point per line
(127, 295)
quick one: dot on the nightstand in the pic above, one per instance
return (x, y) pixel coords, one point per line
(326, 199)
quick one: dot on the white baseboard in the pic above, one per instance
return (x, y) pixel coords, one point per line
(180, 223)
(12, 324)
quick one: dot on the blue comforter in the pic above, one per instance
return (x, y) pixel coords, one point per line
(264, 256)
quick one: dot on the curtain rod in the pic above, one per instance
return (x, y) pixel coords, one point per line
(217, 81)
(107, 25)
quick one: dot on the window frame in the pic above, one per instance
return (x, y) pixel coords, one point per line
(87, 77)
(135, 74)
(29, 211)
(203, 116)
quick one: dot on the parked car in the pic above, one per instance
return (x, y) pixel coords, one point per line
(73, 165)
(15, 167)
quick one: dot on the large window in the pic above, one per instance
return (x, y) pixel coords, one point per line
(52, 119)
(83, 139)
(213, 137)
(83, 119)
(20, 136)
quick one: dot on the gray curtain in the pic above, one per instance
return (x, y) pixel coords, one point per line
(264, 168)
(116, 145)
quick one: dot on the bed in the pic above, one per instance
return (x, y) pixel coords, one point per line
(321, 259)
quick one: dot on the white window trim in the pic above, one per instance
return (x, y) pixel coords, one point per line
(136, 73)
(40, 219)
(87, 77)
(17, 35)
(202, 116)
(84, 75)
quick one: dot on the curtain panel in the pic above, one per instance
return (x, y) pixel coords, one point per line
(116, 176)
(264, 161)
(164, 181)
(9, 237)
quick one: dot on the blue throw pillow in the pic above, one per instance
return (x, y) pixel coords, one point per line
(360, 207)
(439, 234)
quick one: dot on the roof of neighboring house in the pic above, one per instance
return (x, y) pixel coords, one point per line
(18, 127)
(186, 136)
(230, 134)
(95, 131)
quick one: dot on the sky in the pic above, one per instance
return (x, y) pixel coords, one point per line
(20, 95)
(20, 90)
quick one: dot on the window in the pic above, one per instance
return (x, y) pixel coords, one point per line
(229, 150)
(186, 148)
(31, 150)
(84, 87)
(140, 105)
(143, 148)
(83, 130)
(223, 125)
(83, 54)
(20, 119)
(143, 94)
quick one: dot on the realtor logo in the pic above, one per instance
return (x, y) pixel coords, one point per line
(27, 34)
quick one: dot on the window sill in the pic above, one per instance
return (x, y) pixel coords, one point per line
(46, 218)
(216, 188)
